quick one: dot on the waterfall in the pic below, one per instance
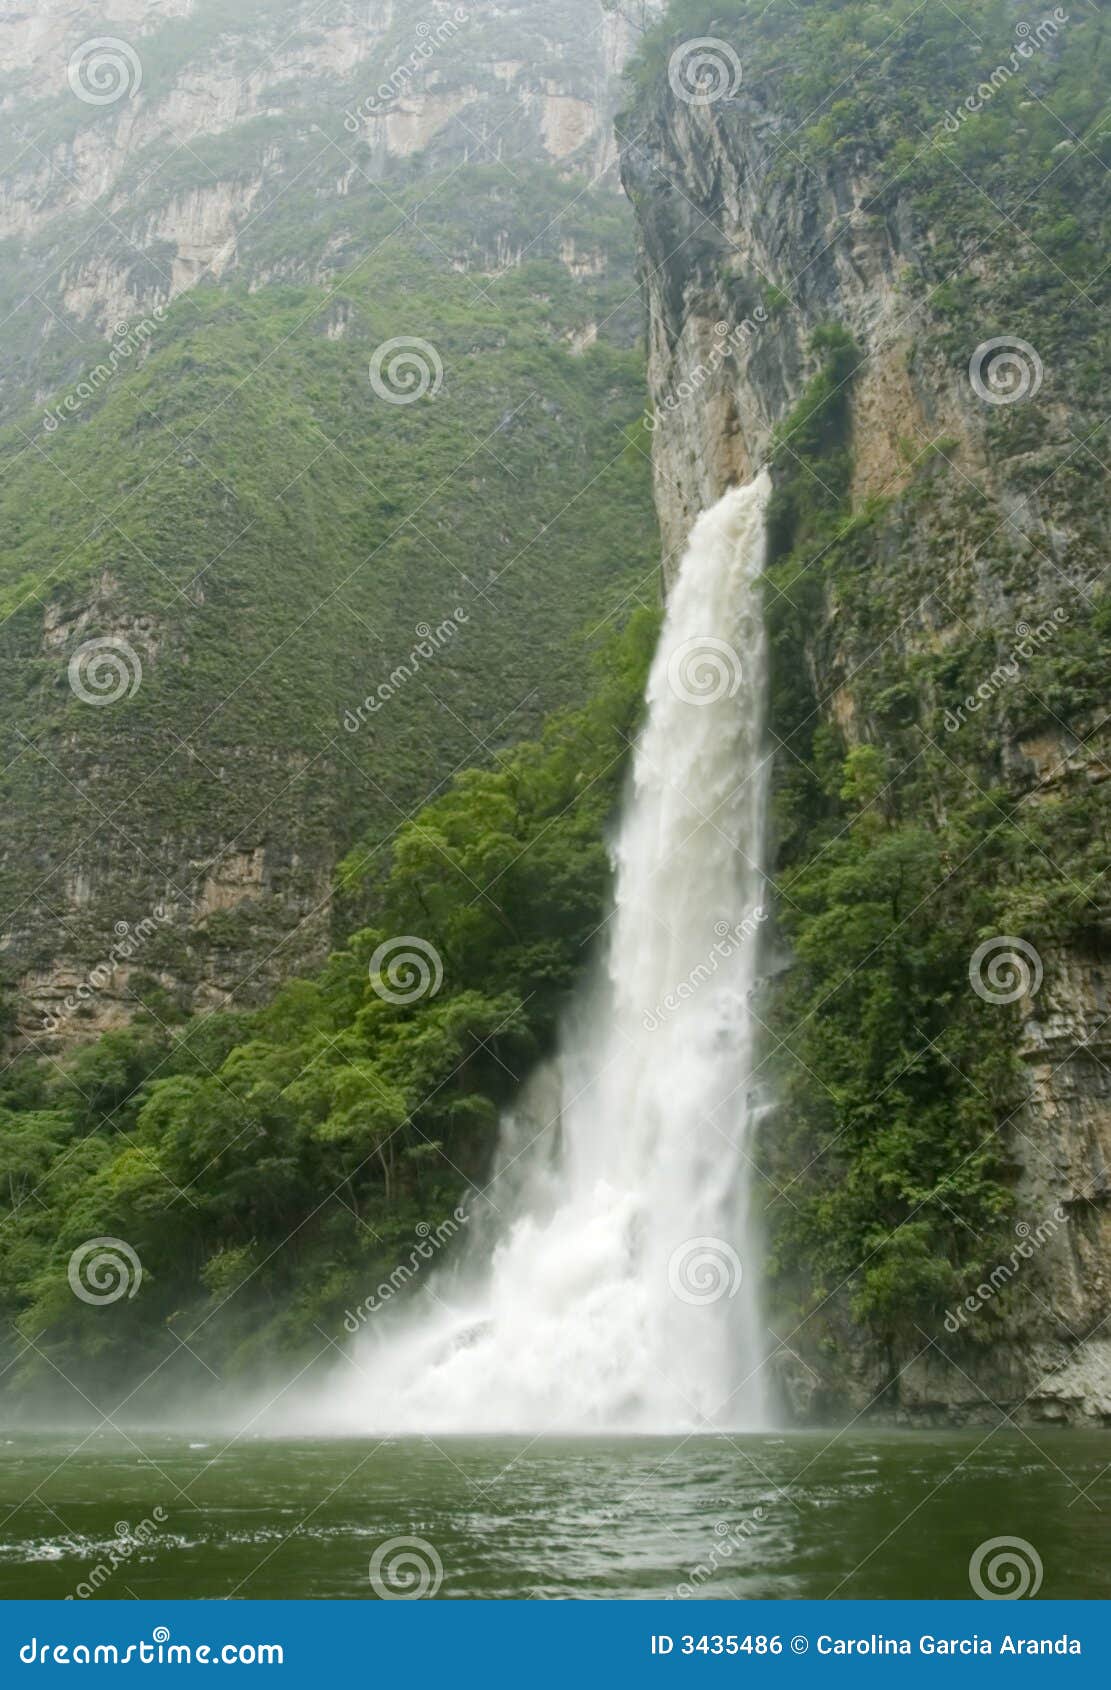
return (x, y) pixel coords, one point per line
(616, 1289)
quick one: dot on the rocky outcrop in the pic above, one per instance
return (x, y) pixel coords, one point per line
(738, 272)
(151, 140)
(747, 249)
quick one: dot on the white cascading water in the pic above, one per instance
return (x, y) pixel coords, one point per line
(615, 1287)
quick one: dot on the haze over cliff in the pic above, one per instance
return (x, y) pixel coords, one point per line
(214, 216)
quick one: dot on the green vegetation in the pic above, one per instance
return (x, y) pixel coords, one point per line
(892, 1076)
(269, 534)
(282, 547)
(882, 85)
(889, 1163)
(269, 1170)
(906, 834)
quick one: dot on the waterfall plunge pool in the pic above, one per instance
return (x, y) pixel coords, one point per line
(861, 1513)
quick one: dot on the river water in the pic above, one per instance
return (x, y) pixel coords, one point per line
(854, 1514)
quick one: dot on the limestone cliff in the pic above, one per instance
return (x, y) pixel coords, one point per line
(824, 188)
(149, 142)
(213, 216)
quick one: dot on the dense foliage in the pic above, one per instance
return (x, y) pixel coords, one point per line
(269, 534)
(219, 484)
(905, 833)
(891, 1157)
(268, 1169)
(891, 1077)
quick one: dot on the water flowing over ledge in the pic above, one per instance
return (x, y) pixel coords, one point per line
(610, 1280)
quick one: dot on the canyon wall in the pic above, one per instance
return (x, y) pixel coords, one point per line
(212, 216)
(967, 542)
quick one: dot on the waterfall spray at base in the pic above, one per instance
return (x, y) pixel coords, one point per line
(614, 1287)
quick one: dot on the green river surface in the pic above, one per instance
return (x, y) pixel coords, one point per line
(860, 1513)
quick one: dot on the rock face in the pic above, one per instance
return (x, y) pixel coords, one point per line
(152, 138)
(750, 243)
(205, 487)
(716, 238)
